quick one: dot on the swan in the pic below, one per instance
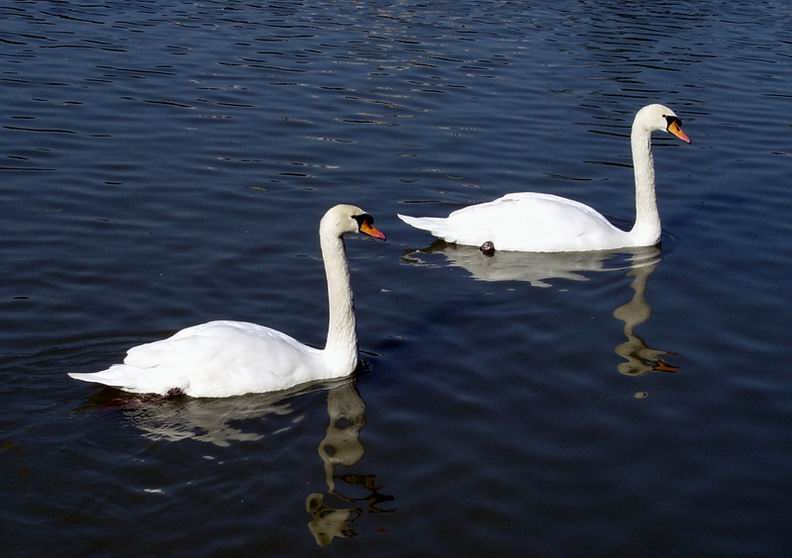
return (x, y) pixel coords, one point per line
(226, 358)
(534, 222)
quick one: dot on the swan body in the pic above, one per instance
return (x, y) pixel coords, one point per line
(535, 222)
(225, 358)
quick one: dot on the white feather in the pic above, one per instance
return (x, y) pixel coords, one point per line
(534, 222)
(224, 358)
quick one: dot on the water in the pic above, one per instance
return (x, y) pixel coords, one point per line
(167, 163)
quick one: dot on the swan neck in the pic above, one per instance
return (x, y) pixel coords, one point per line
(646, 231)
(340, 351)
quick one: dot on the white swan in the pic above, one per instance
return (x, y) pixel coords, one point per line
(225, 358)
(532, 222)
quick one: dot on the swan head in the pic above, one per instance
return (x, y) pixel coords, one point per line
(661, 118)
(343, 219)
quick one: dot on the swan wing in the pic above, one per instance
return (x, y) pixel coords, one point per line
(215, 359)
(526, 221)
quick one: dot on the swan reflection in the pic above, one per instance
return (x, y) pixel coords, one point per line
(539, 269)
(341, 447)
(217, 421)
(536, 268)
(223, 421)
(639, 357)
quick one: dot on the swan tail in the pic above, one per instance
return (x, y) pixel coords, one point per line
(116, 376)
(432, 224)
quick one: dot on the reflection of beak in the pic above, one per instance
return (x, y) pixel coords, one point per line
(372, 231)
(663, 366)
(675, 129)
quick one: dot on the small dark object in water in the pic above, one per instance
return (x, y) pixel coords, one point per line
(488, 248)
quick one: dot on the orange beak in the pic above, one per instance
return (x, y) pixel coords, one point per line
(372, 231)
(675, 129)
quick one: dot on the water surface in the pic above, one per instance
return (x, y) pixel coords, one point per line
(167, 164)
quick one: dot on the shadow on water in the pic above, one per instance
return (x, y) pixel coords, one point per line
(349, 495)
(541, 269)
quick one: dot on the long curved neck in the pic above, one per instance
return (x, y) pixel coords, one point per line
(646, 231)
(340, 351)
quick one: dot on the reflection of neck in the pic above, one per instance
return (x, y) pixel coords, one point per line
(637, 311)
(341, 444)
(640, 358)
(633, 314)
(646, 231)
(340, 351)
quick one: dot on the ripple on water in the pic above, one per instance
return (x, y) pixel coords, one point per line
(168, 165)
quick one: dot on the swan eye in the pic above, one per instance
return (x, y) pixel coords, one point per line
(363, 219)
(671, 120)
(366, 226)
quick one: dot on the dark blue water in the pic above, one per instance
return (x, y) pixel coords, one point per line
(164, 164)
